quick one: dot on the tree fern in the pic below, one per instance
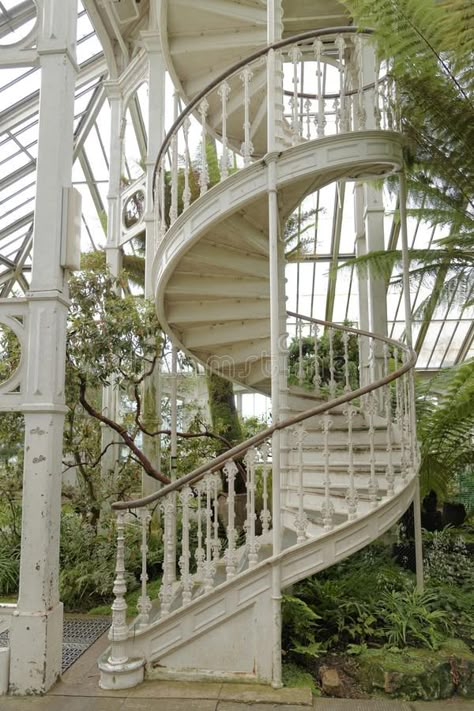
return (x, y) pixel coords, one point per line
(429, 46)
(445, 427)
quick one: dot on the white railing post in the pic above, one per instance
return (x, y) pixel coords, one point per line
(144, 603)
(301, 520)
(118, 632)
(223, 92)
(321, 118)
(230, 557)
(251, 540)
(204, 172)
(327, 507)
(411, 396)
(168, 508)
(187, 164)
(185, 497)
(174, 168)
(247, 146)
(265, 515)
(352, 498)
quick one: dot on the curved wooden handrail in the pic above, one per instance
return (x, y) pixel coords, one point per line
(218, 462)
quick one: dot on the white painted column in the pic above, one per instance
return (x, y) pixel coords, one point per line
(113, 252)
(362, 279)
(277, 319)
(156, 129)
(373, 212)
(114, 216)
(409, 341)
(36, 627)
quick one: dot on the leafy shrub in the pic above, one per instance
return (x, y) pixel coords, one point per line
(368, 600)
(87, 560)
(411, 618)
(447, 560)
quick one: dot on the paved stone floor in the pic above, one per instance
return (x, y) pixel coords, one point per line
(78, 691)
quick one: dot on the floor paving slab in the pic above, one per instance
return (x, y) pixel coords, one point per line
(444, 705)
(246, 693)
(61, 703)
(359, 705)
(169, 705)
(175, 690)
(234, 706)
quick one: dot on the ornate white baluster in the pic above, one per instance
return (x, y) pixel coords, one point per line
(361, 112)
(317, 373)
(377, 112)
(389, 94)
(347, 383)
(371, 410)
(301, 520)
(409, 438)
(352, 498)
(337, 115)
(216, 544)
(327, 507)
(187, 189)
(163, 226)
(144, 603)
(295, 56)
(332, 369)
(400, 419)
(300, 354)
(118, 632)
(251, 540)
(307, 111)
(247, 146)
(209, 565)
(199, 554)
(174, 167)
(343, 118)
(204, 174)
(321, 118)
(224, 91)
(388, 416)
(230, 556)
(265, 515)
(173, 214)
(185, 496)
(166, 590)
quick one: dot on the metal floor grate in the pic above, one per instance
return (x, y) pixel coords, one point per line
(78, 635)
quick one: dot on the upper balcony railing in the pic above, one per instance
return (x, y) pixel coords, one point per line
(316, 84)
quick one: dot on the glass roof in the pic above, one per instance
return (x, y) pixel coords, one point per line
(315, 288)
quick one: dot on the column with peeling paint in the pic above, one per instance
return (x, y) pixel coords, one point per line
(156, 129)
(36, 627)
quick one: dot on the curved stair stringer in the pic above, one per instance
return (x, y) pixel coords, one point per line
(300, 170)
(217, 635)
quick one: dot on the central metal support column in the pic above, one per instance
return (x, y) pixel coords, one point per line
(278, 353)
(409, 341)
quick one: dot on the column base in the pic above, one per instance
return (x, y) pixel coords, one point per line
(121, 676)
(35, 650)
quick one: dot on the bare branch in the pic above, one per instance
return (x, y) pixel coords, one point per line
(123, 433)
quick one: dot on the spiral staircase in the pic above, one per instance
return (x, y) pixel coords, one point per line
(338, 466)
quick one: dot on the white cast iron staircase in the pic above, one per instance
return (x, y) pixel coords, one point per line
(339, 466)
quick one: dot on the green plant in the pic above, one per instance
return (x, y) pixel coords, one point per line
(299, 625)
(447, 560)
(445, 421)
(411, 618)
(305, 348)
